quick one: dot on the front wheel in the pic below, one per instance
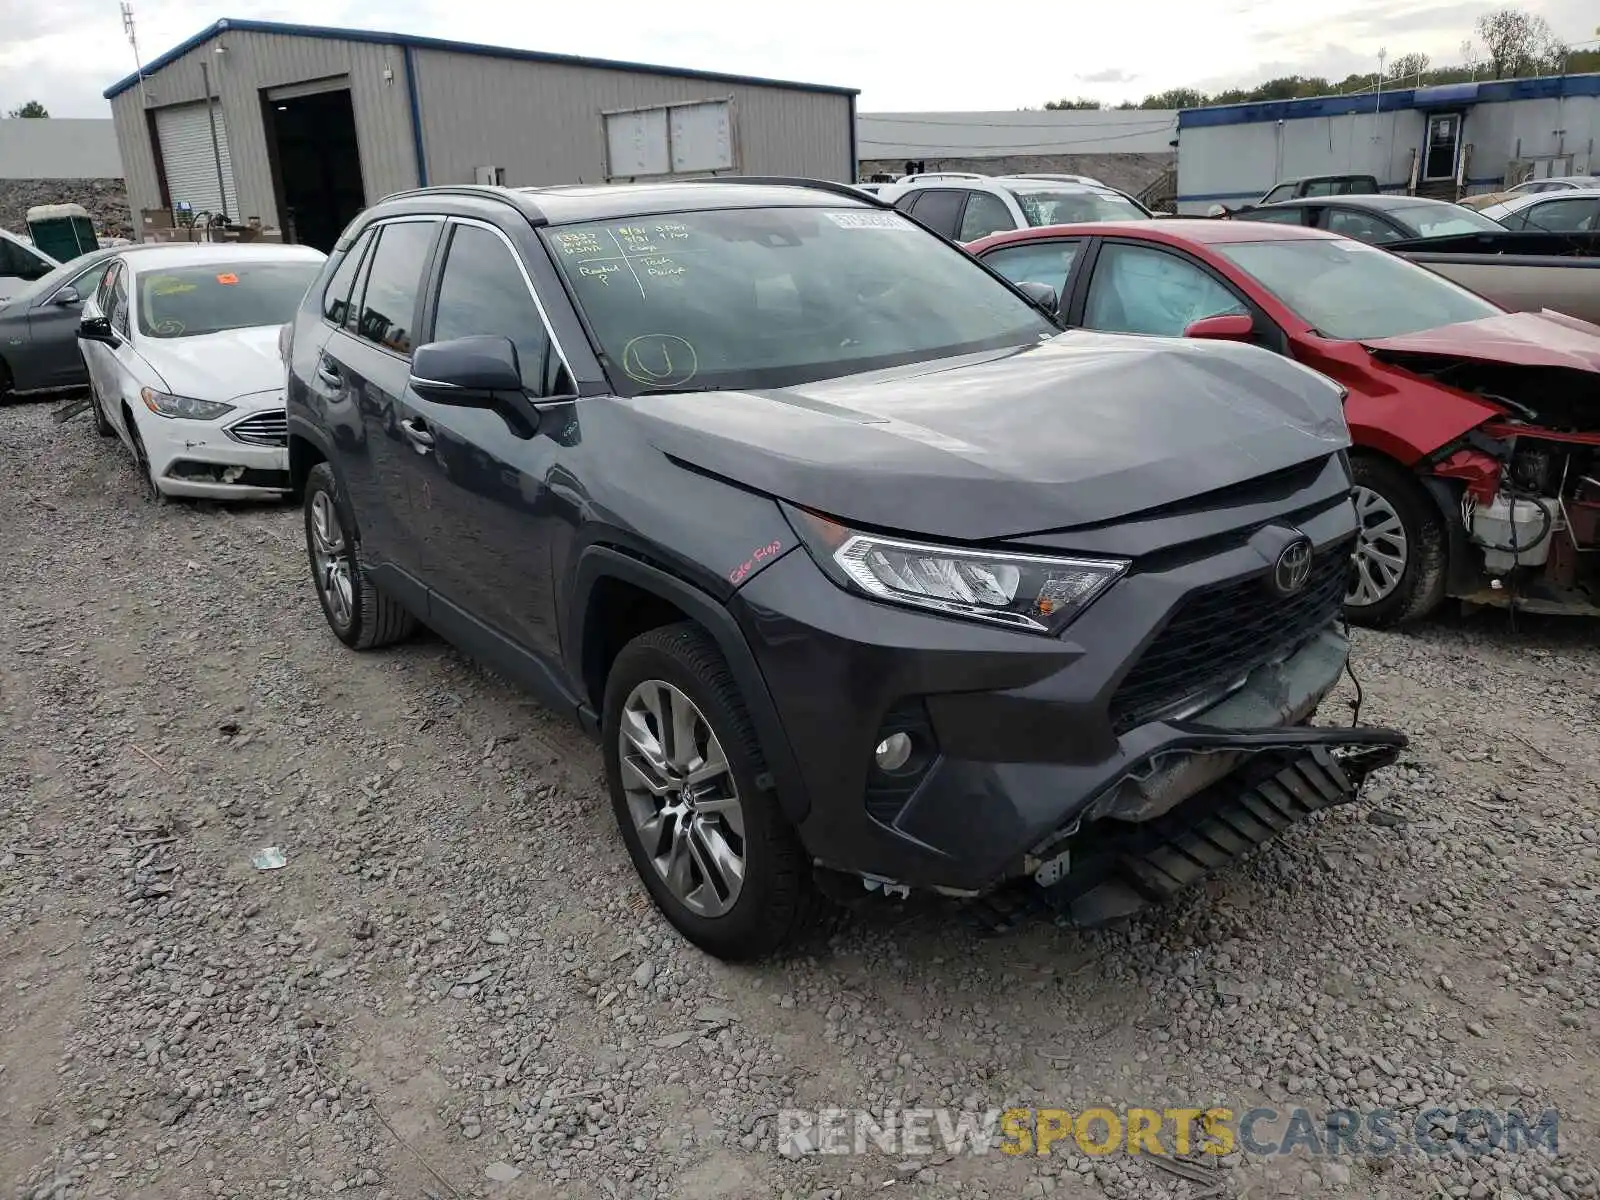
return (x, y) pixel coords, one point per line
(1398, 572)
(359, 612)
(141, 462)
(101, 426)
(713, 848)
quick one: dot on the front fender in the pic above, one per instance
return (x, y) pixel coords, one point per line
(601, 562)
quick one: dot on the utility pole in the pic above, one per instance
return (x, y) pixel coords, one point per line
(216, 149)
(133, 40)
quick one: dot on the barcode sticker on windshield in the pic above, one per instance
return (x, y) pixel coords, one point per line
(867, 220)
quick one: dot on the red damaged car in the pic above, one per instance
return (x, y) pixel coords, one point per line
(1476, 430)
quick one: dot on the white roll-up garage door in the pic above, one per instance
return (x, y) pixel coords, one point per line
(185, 134)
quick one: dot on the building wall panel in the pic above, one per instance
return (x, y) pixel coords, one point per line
(541, 122)
(251, 63)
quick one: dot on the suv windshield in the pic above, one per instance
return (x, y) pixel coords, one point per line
(1355, 292)
(769, 297)
(189, 301)
(1444, 221)
(1048, 204)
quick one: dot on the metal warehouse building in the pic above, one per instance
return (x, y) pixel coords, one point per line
(1445, 141)
(302, 126)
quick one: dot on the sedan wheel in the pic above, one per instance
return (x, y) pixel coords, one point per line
(1381, 549)
(1397, 568)
(682, 797)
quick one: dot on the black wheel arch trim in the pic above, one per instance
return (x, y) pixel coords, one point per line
(1461, 572)
(600, 562)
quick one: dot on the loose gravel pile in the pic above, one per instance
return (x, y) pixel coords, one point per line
(455, 986)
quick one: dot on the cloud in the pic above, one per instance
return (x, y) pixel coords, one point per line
(1109, 75)
(67, 52)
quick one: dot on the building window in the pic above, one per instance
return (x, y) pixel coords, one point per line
(695, 138)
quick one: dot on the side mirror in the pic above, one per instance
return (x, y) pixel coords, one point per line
(1230, 327)
(467, 371)
(67, 297)
(1043, 295)
(97, 329)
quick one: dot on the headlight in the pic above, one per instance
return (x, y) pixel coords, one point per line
(165, 405)
(1025, 591)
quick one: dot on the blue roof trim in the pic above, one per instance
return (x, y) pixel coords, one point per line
(413, 42)
(1496, 91)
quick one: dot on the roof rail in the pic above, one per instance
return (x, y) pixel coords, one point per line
(821, 185)
(481, 191)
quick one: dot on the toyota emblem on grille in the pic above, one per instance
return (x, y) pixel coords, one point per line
(1293, 568)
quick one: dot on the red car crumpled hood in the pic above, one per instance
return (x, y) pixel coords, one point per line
(1530, 339)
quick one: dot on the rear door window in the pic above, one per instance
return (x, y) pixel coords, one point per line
(985, 214)
(336, 298)
(1577, 215)
(389, 301)
(940, 210)
(1295, 215)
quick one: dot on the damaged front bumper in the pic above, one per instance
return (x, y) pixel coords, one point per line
(1029, 764)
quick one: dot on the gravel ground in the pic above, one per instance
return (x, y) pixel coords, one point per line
(457, 987)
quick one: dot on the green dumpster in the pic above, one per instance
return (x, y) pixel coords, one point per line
(62, 231)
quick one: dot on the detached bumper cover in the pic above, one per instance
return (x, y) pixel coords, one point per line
(1120, 868)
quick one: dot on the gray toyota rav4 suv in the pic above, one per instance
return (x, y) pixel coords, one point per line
(868, 576)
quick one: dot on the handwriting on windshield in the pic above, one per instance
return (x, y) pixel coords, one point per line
(660, 360)
(642, 250)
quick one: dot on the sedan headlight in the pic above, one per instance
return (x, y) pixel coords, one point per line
(1037, 593)
(164, 404)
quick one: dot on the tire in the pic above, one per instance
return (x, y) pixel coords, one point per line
(1399, 524)
(775, 899)
(359, 612)
(141, 463)
(5, 381)
(101, 426)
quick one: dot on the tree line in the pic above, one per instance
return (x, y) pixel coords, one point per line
(1510, 44)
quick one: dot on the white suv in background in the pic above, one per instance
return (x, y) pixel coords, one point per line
(965, 208)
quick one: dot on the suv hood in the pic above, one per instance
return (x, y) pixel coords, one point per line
(1081, 429)
(218, 366)
(1527, 339)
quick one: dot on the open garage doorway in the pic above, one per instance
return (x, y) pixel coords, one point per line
(316, 164)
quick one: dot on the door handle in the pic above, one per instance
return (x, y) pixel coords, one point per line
(329, 373)
(417, 431)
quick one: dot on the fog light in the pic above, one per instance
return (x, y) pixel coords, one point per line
(893, 752)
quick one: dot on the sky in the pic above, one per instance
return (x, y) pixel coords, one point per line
(65, 53)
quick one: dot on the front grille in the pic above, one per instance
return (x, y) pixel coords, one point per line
(1221, 632)
(270, 428)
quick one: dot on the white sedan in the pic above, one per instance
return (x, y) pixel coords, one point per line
(181, 345)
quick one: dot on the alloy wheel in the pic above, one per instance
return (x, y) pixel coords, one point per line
(682, 797)
(1382, 549)
(330, 555)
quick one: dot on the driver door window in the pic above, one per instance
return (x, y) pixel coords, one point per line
(482, 292)
(1135, 289)
(118, 304)
(1037, 262)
